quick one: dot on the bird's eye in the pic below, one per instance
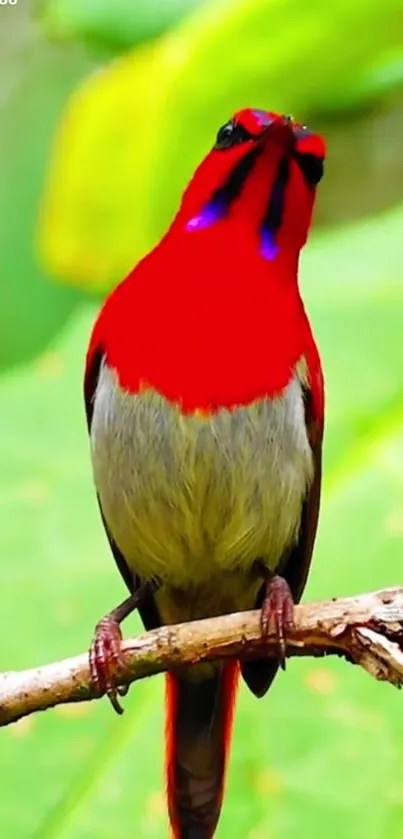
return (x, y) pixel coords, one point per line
(312, 167)
(231, 134)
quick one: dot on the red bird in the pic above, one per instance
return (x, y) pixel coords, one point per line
(205, 409)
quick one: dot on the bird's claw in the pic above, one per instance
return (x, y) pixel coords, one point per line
(105, 660)
(278, 609)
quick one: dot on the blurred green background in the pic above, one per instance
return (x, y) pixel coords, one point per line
(106, 107)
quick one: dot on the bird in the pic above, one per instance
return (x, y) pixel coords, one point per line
(204, 398)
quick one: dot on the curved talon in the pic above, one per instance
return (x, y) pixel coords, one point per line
(278, 607)
(105, 660)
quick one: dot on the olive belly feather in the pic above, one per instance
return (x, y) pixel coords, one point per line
(188, 498)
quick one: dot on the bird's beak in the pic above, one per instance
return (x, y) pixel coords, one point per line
(280, 132)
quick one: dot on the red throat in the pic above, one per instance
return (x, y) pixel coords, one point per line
(207, 335)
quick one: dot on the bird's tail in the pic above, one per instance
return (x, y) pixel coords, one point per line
(198, 732)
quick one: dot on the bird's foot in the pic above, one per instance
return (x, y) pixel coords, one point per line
(278, 610)
(105, 654)
(106, 659)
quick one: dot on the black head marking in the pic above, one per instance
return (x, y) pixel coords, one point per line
(232, 134)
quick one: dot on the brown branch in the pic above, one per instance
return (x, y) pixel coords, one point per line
(367, 630)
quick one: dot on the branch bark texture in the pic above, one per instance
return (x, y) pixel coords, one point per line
(367, 630)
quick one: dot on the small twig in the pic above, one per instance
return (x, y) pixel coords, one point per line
(367, 630)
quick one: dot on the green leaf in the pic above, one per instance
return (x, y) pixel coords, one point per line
(116, 25)
(380, 80)
(133, 135)
(30, 108)
(321, 755)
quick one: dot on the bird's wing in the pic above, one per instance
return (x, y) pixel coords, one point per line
(259, 675)
(148, 610)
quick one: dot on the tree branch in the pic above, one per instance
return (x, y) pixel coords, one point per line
(367, 630)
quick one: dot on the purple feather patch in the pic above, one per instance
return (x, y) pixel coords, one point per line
(209, 215)
(262, 117)
(269, 249)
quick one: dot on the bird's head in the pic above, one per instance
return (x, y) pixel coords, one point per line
(261, 175)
